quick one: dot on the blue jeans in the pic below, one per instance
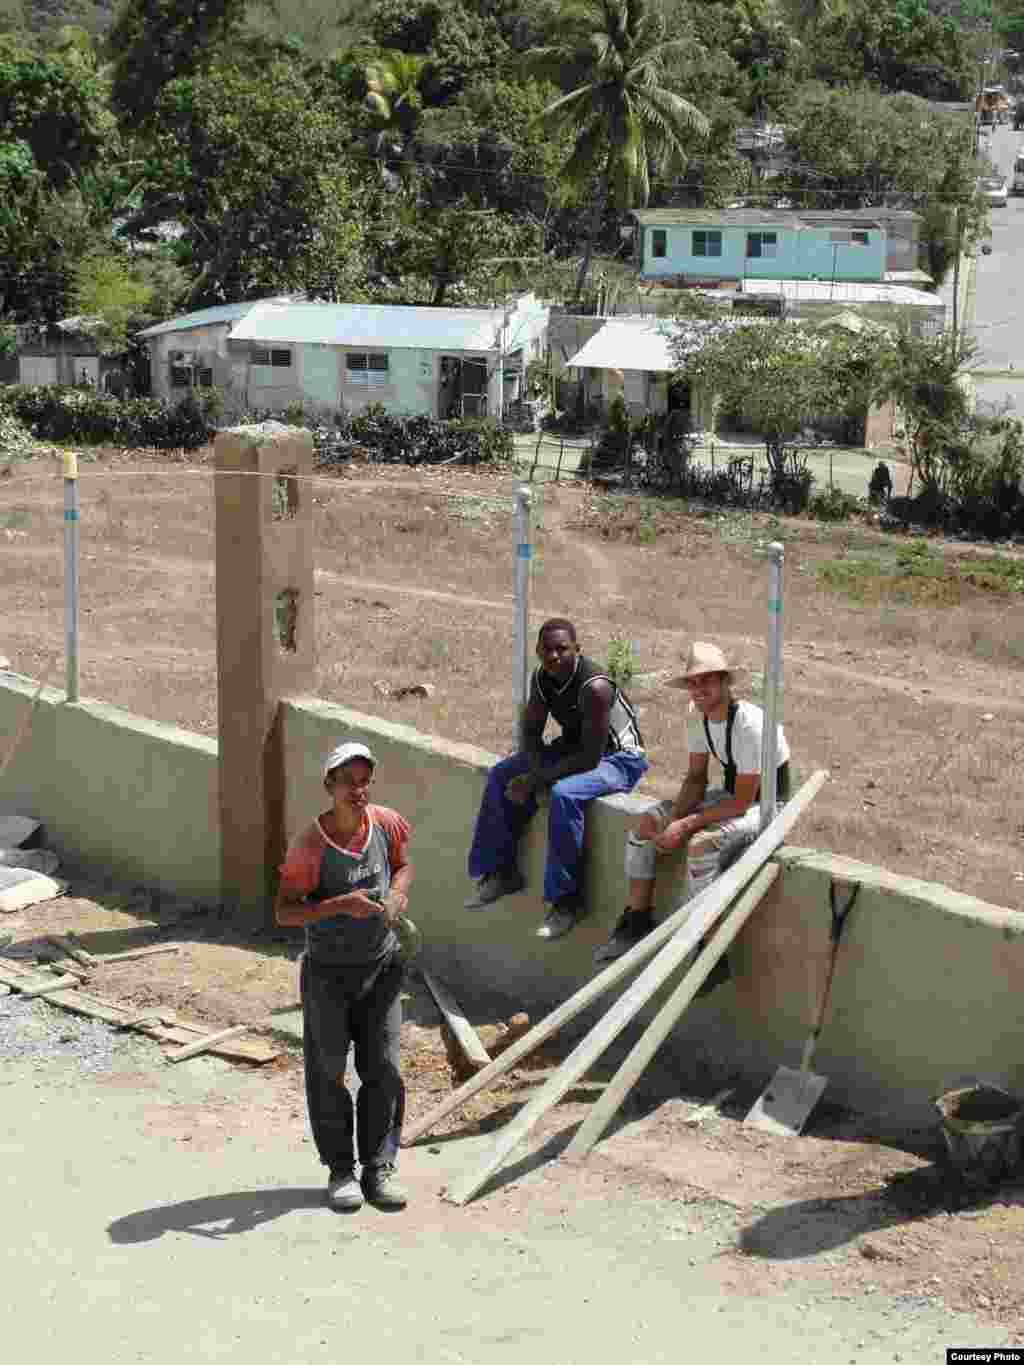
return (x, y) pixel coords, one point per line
(501, 822)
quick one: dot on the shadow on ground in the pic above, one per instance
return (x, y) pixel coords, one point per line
(213, 1216)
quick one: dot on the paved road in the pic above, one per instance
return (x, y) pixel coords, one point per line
(998, 322)
(161, 1214)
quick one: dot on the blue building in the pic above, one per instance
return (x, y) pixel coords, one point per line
(697, 246)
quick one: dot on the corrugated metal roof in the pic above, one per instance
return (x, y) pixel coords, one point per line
(824, 291)
(716, 218)
(643, 344)
(388, 326)
(225, 312)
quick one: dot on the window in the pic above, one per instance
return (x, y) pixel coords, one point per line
(659, 243)
(367, 368)
(267, 365)
(277, 360)
(189, 373)
(859, 239)
(849, 238)
(707, 243)
(761, 244)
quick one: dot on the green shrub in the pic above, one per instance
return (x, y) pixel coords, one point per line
(53, 412)
(621, 661)
(832, 504)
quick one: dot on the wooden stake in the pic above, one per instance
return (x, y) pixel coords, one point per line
(620, 968)
(182, 1054)
(461, 1029)
(667, 1017)
(703, 911)
(132, 953)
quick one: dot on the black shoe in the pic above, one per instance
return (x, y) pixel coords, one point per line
(506, 882)
(633, 925)
(382, 1189)
(561, 917)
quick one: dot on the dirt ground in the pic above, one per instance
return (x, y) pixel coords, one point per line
(914, 704)
(849, 1209)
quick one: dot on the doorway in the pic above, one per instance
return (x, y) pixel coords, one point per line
(462, 387)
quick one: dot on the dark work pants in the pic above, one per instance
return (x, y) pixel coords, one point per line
(361, 1006)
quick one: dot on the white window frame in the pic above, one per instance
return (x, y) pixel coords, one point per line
(373, 373)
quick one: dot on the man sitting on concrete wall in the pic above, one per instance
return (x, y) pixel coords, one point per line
(599, 751)
(716, 823)
(346, 880)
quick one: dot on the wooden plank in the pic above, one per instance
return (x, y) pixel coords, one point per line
(704, 909)
(89, 1006)
(613, 973)
(72, 950)
(233, 1049)
(667, 1017)
(182, 1054)
(132, 953)
(41, 987)
(461, 1029)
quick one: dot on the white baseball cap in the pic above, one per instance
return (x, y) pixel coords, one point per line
(345, 753)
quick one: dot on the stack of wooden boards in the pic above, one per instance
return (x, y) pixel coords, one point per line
(63, 982)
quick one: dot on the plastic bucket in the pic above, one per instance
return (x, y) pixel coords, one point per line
(982, 1128)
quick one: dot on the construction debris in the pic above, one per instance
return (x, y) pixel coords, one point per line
(182, 1054)
(465, 1051)
(20, 887)
(166, 1028)
(132, 953)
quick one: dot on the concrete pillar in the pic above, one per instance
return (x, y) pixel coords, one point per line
(265, 652)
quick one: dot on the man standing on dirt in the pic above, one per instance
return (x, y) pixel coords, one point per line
(716, 823)
(599, 751)
(346, 881)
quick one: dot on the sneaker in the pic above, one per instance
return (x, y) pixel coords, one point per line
(343, 1192)
(561, 917)
(491, 888)
(382, 1189)
(633, 925)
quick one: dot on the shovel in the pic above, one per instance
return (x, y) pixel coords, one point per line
(785, 1103)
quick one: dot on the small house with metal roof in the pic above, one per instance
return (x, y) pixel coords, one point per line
(270, 353)
(708, 246)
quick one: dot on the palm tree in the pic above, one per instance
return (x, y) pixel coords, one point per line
(622, 115)
(394, 98)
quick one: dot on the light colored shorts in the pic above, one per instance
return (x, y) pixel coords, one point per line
(642, 856)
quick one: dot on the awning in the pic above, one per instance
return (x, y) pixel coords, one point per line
(624, 346)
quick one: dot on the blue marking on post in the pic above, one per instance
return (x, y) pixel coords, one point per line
(524, 551)
(70, 515)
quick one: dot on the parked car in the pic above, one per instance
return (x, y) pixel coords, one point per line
(993, 189)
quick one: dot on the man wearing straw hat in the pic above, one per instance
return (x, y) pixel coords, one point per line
(715, 823)
(346, 881)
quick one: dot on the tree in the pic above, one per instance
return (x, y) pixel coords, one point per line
(624, 119)
(256, 174)
(925, 376)
(776, 374)
(854, 148)
(154, 42)
(900, 47)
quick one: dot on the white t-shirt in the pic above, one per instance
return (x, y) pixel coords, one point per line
(746, 737)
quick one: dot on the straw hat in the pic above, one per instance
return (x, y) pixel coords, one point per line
(702, 657)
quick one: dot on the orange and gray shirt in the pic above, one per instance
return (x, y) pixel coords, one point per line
(318, 868)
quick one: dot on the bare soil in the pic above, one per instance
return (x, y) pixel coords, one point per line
(914, 706)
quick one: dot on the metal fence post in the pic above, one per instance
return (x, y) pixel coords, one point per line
(521, 507)
(72, 599)
(772, 683)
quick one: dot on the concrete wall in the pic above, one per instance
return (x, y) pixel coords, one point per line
(115, 791)
(926, 992)
(800, 254)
